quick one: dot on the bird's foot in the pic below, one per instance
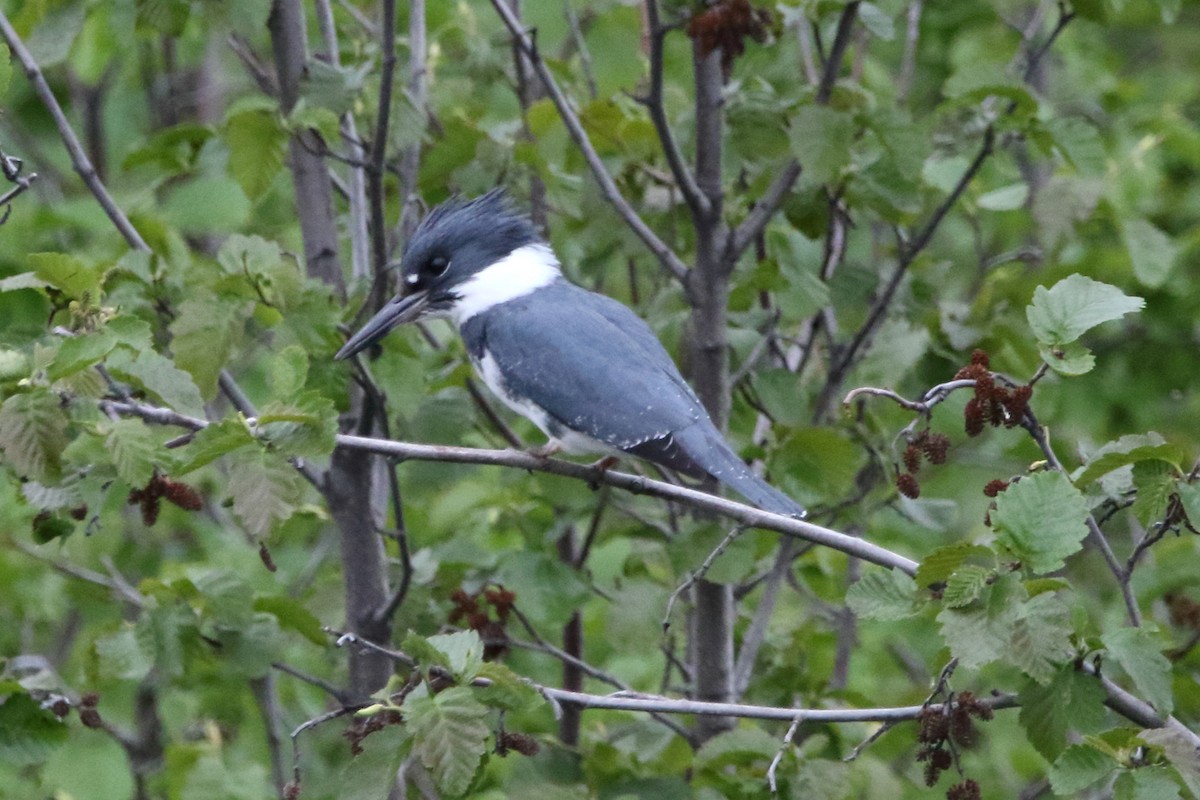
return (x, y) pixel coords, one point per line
(600, 466)
(546, 450)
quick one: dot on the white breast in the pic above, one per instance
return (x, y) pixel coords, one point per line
(522, 271)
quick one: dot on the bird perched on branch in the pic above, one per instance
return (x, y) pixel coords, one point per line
(583, 367)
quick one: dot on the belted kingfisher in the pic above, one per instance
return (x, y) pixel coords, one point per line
(583, 367)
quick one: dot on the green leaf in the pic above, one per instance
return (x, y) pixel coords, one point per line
(1151, 251)
(77, 352)
(68, 273)
(305, 427)
(1005, 199)
(1156, 482)
(877, 21)
(120, 656)
(1139, 654)
(257, 142)
(333, 87)
(292, 615)
(449, 732)
(134, 451)
(1068, 359)
(29, 734)
(5, 67)
(14, 366)
(1179, 748)
(508, 690)
(1040, 637)
(1071, 701)
(741, 746)
(462, 652)
(882, 595)
(820, 138)
(1189, 496)
(425, 653)
(48, 528)
(288, 371)
(1146, 783)
(372, 773)
(265, 490)
(33, 434)
(203, 333)
(940, 564)
(210, 443)
(1040, 519)
(1128, 450)
(1074, 305)
(1078, 767)
(157, 374)
(965, 585)
(1080, 142)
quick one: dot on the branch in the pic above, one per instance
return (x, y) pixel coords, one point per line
(747, 515)
(653, 101)
(669, 259)
(79, 158)
(766, 206)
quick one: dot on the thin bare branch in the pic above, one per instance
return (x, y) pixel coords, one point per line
(525, 41)
(747, 515)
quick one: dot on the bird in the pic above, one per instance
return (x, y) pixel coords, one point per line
(583, 367)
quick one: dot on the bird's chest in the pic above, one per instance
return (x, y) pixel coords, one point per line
(489, 371)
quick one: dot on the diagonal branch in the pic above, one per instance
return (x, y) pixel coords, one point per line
(686, 180)
(525, 42)
(517, 459)
(766, 206)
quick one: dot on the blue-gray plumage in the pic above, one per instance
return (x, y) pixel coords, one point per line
(583, 367)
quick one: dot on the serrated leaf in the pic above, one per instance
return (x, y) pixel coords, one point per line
(941, 563)
(882, 595)
(287, 371)
(425, 653)
(50, 498)
(1064, 312)
(305, 427)
(29, 734)
(257, 142)
(33, 434)
(1040, 638)
(820, 138)
(120, 656)
(68, 273)
(1151, 251)
(1146, 783)
(134, 451)
(212, 442)
(462, 651)
(1178, 745)
(23, 280)
(1071, 701)
(372, 773)
(1156, 482)
(1189, 496)
(1139, 654)
(965, 585)
(449, 732)
(1069, 359)
(203, 333)
(1128, 450)
(265, 490)
(1078, 767)
(157, 374)
(292, 615)
(1040, 519)
(78, 352)
(507, 690)
(1005, 198)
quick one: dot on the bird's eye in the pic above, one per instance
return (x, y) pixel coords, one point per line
(437, 266)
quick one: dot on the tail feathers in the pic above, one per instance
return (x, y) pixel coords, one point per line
(708, 450)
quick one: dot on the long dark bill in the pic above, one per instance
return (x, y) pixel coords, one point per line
(400, 311)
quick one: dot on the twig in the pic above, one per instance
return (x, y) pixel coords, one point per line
(787, 741)
(669, 259)
(79, 157)
(908, 63)
(841, 41)
(747, 515)
(756, 634)
(698, 574)
(322, 684)
(654, 102)
(118, 587)
(345, 638)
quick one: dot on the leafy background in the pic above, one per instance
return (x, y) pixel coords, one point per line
(142, 613)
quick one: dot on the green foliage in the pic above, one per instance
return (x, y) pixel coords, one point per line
(1080, 210)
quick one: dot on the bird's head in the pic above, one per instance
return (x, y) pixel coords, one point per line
(464, 257)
